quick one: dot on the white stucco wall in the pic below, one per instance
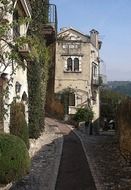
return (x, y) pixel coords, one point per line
(20, 74)
(21, 77)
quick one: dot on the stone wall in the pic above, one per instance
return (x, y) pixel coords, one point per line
(124, 128)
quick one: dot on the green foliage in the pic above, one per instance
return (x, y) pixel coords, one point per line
(37, 74)
(124, 107)
(14, 158)
(33, 74)
(84, 114)
(18, 125)
(121, 87)
(38, 68)
(39, 15)
(109, 101)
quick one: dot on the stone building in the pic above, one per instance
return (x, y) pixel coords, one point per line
(19, 87)
(77, 70)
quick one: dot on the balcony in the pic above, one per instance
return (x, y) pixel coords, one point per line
(103, 79)
(50, 27)
(96, 80)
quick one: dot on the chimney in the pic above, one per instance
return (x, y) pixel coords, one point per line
(94, 38)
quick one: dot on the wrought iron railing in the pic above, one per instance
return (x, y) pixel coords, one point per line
(96, 80)
(99, 80)
(51, 15)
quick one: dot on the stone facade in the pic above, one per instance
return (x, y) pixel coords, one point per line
(77, 69)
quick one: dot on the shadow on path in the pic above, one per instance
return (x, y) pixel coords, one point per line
(74, 172)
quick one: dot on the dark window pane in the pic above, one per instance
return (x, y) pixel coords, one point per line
(95, 70)
(71, 99)
(69, 64)
(76, 64)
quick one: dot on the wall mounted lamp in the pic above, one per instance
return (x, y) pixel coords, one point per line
(17, 87)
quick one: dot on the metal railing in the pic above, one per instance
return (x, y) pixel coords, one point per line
(51, 15)
(96, 80)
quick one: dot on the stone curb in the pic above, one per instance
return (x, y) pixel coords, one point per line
(56, 164)
(7, 187)
(91, 163)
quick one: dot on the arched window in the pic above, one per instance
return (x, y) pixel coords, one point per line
(76, 64)
(24, 97)
(69, 64)
(95, 70)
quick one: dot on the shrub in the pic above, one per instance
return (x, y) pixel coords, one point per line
(14, 158)
(18, 124)
(84, 114)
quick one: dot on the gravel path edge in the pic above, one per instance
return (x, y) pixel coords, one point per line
(57, 163)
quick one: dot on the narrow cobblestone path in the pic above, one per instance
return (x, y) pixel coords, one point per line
(74, 172)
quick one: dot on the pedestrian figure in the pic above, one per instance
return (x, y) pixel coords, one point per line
(91, 129)
(105, 124)
(86, 126)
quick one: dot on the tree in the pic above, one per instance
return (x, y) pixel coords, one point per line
(84, 114)
(109, 101)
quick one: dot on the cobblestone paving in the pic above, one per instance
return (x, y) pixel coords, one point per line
(109, 167)
(43, 168)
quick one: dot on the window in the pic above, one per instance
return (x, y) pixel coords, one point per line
(76, 64)
(16, 27)
(94, 96)
(73, 65)
(71, 99)
(95, 70)
(69, 64)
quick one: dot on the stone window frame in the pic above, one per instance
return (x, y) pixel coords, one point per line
(73, 70)
(95, 70)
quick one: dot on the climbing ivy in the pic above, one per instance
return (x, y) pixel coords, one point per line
(38, 68)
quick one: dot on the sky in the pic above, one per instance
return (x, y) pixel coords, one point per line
(112, 18)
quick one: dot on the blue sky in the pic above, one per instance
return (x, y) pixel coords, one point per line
(112, 18)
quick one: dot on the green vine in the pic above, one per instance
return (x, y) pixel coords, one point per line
(38, 69)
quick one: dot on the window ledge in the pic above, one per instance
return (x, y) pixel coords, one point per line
(72, 71)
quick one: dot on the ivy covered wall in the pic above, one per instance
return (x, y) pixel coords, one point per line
(37, 68)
